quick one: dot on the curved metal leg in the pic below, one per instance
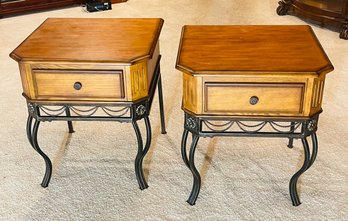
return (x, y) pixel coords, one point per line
(160, 100)
(32, 137)
(183, 148)
(141, 152)
(196, 177)
(29, 129)
(70, 126)
(314, 150)
(148, 135)
(293, 181)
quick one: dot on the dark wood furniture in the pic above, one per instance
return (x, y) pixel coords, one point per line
(20, 6)
(263, 81)
(71, 72)
(117, 1)
(13, 7)
(333, 12)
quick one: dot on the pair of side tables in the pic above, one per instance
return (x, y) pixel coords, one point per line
(261, 81)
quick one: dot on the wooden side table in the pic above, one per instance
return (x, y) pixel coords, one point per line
(262, 81)
(92, 70)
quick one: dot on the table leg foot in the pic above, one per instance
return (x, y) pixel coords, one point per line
(290, 144)
(344, 32)
(160, 99)
(192, 203)
(32, 137)
(196, 177)
(283, 7)
(308, 162)
(70, 126)
(141, 152)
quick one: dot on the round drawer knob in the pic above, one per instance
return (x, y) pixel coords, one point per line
(253, 100)
(77, 85)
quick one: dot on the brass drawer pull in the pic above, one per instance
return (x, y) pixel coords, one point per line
(253, 100)
(77, 85)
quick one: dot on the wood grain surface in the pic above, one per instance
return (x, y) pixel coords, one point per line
(280, 99)
(92, 40)
(259, 48)
(59, 84)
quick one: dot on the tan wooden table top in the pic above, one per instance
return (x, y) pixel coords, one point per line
(91, 39)
(216, 49)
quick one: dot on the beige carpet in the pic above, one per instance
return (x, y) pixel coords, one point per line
(243, 178)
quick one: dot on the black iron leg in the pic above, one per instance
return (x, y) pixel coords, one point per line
(291, 140)
(189, 162)
(29, 129)
(70, 126)
(160, 100)
(306, 164)
(196, 177)
(314, 150)
(32, 137)
(141, 152)
(183, 148)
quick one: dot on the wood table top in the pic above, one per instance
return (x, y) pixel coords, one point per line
(260, 48)
(120, 40)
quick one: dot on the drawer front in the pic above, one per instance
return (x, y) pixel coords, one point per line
(254, 98)
(79, 84)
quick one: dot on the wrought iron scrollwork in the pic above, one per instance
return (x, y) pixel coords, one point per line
(312, 124)
(205, 126)
(31, 108)
(218, 127)
(190, 123)
(52, 112)
(79, 111)
(250, 127)
(141, 110)
(210, 126)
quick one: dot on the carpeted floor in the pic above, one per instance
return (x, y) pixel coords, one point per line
(243, 178)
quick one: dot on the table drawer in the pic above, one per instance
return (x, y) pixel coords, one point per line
(78, 84)
(254, 98)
